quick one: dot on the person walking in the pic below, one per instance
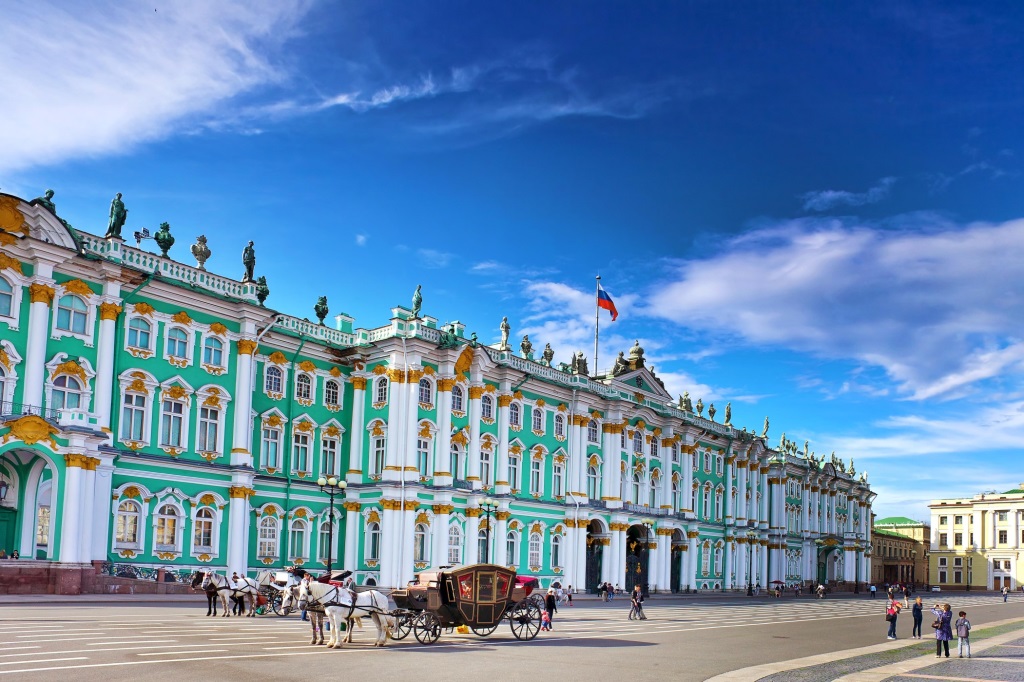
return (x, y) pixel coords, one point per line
(963, 634)
(906, 596)
(1006, 595)
(568, 594)
(943, 628)
(892, 612)
(918, 614)
(551, 605)
(873, 590)
(636, 610)
(603, 589)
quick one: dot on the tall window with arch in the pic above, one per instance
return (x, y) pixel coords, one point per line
(515, 415)
(559, 426)
(298, 539)
(372, 549)
(635, 497)
(266, 547)
(213, 352)
(324, 545)
(454, 545)
(593, 479)
(332, 393)
(638, 442)
(486, 407)
(273, 380)
(67, 393)
(166, 536)
(177, 343)
(593, 432)
(675, 453)
(652, 493)
(202, 534)
(126, 527)
(538, 419)
(419, 543)
(303, 387)
(706, 502)
(456, 462)
(458, 399)
(140, 333)
(481, 546)
(380, 393)
(536, 543)
(72, 314)
(719, 504)
(718, 560)
(426, 392)
(6, 298)
(512, 548)
(556, 551)
(677, 497)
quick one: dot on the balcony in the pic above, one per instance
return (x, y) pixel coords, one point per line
(9, 410)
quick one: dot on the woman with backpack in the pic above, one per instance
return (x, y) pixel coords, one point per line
(892, 612)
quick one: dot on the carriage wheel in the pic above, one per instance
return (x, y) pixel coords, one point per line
(403, 626)
(427, 628)
(484, 631)
(276, 600)
(524, 618)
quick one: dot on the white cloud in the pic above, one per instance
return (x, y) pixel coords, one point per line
(928, 301)
(99, 78)
(360, 240)
(432, 258)
(825, 200)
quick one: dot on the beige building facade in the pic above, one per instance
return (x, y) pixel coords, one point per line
(894, 556)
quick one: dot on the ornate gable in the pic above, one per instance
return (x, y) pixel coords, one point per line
(642, 379)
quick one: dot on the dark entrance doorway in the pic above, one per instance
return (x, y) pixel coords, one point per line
(595, 554)
(8, 520)
(637, 558)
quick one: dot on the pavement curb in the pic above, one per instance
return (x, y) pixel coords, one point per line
(756, 672)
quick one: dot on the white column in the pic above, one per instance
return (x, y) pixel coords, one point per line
(394, 458)
(41, 294)
(109, 310)
(620, 565)
(610, 471)
(727, 566)
(442, 453)
(501, 483)
(88, 502)
(752, 482)
(238, 520)
(71, 510)
(410, 472)
(498, 555)
(405, 565)
(579, 575)
(355, 448)
(472, 548)
(805, 503)
(763, 557)
(741, 494)
(730, 512)
(688, 479)
(1015, 528)
(577, 457)
(691, 559)
(389, 522)
(241, 433)
(475, 393)
(665, 448)
(442, 516)
(607, 561)
(100, 514)
(352, 529)
(653, 562)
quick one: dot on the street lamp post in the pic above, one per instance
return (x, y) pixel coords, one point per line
(648, 525)
(488, 506)
(332, 486)
(751, 535)
(4, 487)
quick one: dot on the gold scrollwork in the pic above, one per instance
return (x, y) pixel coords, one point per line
(41, 293)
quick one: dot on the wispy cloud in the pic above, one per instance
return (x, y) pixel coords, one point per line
(918, 296)
(432, 258)
(360, 240)
(824, 200)
(99, 78)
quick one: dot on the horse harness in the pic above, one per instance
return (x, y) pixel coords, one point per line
(324, 602)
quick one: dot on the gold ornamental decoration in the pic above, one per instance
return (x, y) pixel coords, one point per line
(71, 368)
(41, 293)
(240, 492)
(31, 429)
(445, 385)
(109, 311)
(304, 426)
(182, 317)
(142, 309)
(335, 372)
(352, 506)
(11, 263)
(246, 346)
(273, 421)
(277, 358)
(11, 219)
(218, 328)
(7, 239)
(77, 287)
(332, 431)
(307, 366)
(75, 461)
(465, 361)
(504, 400)
(176, 392)
(5, 360)
(208, 498)
(359, 383)
(476, 392)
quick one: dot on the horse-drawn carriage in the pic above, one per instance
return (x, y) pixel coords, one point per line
(479, 596)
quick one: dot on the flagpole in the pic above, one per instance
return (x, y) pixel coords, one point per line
(597, 319)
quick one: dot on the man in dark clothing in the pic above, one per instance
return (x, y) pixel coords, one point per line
(636, 611)
(551, 604)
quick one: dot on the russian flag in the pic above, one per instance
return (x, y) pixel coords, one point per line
(605, 301)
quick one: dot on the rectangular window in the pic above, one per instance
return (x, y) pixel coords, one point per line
(942, 561)
(271, 448)
(171, 423)
(133, 416)
(943, 520)
(958, 577)
(1002, 537)
(958, 520)
(377, 456)
(958, 539)
(1002, 516)
(1006, 565)
(513, 472)
(943, 540)
(958, 561)
(43, 527)
(209, 419)
(942, 576)
(423, 457)
(535, 474)
(329, 453)
(556, 480)
(300, 452)
(485, 468)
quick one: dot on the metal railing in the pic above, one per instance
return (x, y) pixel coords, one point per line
(13, 410)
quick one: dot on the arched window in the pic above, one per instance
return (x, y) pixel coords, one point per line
(177, 343)
(559, 426)
(653, 493)
(3, 387)
(486, 407)
(267, 546)
(481, 546)
(373, 541)
(419, 543)
(166, 527)
(706, 502)
(693, 501)
(512, 548)
(273, 380)
(638, 442)
(126, 533)
(558, 480)
(675, 453)
(707, 462)
(454, 546)
(592, 478)
(593, 432)
(636, 489)
(6, 298)
(719, 503)
(718, 560)
(213, 352)
(458, 399)
(325, 541)
(139, 333)
(303, 387)
(556, 551)
(426, 391)
(622, 439)
(455, 461)
(535, 479)
(538, 420)
(332, 393)
(515, 417)
(677, 499)
(203, 531)
(298, 539)
(72, 314)
(485, 467)
(535, 545)
(67, 393)
(381, 390)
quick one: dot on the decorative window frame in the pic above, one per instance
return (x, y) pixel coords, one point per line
(277, 360)
(372, 516)
(707, 461)
(216, 397)
(139, 382)
(331, 430)
(9, 359)
(556, 540)
(459, 411)
(423, 561)
(637, 443)
(305, 402)
(515, 537)
(269, 512)
(559, 469)
(304, 424)
(490, 400)
(80, 369)
(141, 496)
(455, 530)
(225, 351)
(178, 389)
(92, 300)
(559, 432)
(378, 428)
(214, 502)
(301, 515)
(177, 322)
(154, 331)
(535, 410)
(719, 502)
(271, 419)
(380, 385)
(595, 426)
(340, 383)
(174, 498)
(18, 285)
(431, 388)
(516, 427)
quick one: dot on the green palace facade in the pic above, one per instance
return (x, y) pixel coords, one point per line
(158, 416)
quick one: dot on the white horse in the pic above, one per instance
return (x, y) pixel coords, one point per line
(244, 587)
(289, 602)
(338, 604)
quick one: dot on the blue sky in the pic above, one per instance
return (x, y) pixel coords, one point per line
(814, 212)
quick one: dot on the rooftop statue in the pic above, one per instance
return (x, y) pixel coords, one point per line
(417, 301)
(473, 341)
(636, 356)
(506, 329)
(685, 403)
(700, 407)
(711, 411)
(262, 290)
(249, 261)
(46, 201)
(321, 309)
(164, 239)
(526, 347)
(807, 447)
(547, 355)
(621, 365)
(764, 431)
(852, 470)
(118, 214)
(199, 250)
(728, 414)
(447, 338)
(579, 364)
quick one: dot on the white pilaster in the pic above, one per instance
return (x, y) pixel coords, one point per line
(109, 310)
(71, 511)
(41, 293)
(475, 393)
(355, 449)
(501, 483)
(353, 527)
(241, 432)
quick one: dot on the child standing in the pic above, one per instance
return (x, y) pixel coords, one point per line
(963, 634)
(545, 622)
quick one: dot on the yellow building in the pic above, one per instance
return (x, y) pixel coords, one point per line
(976, 541)
(914, 560)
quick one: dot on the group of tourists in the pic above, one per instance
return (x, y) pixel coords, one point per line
(608, 591)
(943, 625)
